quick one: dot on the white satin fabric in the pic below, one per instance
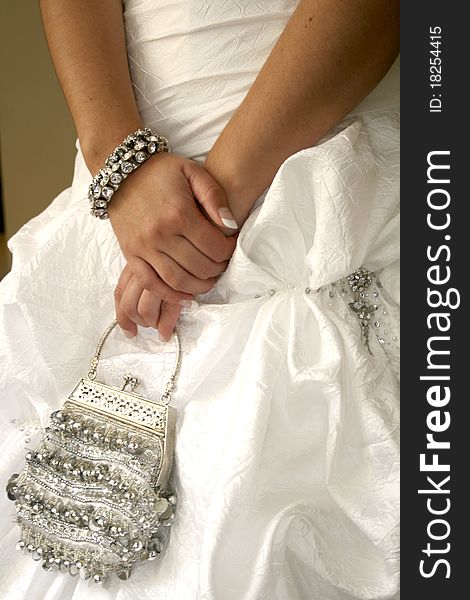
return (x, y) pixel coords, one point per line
(286, 456)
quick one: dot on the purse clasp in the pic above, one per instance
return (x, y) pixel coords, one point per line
(130, 380)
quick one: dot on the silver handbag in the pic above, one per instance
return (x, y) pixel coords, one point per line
(94, 497)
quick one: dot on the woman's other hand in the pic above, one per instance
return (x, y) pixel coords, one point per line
(136, 306)
(173, 249)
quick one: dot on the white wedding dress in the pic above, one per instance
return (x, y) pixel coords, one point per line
(286, 455)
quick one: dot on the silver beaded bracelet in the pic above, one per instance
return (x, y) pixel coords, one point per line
(134, 150)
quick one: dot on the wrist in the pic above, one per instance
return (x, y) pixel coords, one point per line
(134, 150)
(97, 145)
(241, 190)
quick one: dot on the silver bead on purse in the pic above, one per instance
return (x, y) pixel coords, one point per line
(94, 497)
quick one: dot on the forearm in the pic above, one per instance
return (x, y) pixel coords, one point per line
(330, 55)
(88, 48)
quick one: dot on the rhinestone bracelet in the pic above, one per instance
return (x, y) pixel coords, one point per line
(134, 150)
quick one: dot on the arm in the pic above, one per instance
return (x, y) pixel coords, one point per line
(330, 55)
(87, 44)
(88, 48)
(172, 248)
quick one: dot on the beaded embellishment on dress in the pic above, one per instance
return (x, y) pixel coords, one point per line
(362, 294)
(359, 281)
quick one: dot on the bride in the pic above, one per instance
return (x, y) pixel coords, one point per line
(279, 195)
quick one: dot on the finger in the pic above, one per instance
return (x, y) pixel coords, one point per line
(178, 278)
(149, 308)
(127, 325)
(210, 195)
(169, 314)
(130, 300)
(193, 260)
(151, 281)
(208, 239)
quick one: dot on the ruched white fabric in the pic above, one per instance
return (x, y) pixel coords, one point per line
(286, 456)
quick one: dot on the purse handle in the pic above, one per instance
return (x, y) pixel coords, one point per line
(165, 397)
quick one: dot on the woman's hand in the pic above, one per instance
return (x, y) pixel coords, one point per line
(178, 223)
(136, 306)
(171, 247)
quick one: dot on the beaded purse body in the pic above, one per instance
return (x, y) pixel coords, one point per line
(94, 497)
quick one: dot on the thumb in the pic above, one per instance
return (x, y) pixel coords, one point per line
(211, 196)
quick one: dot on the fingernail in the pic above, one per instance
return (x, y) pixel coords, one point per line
(128, 333)
(189, 304)
(227, 218)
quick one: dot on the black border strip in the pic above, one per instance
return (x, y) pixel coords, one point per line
(424, 412)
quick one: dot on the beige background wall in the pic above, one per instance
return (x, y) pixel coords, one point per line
(37, 135)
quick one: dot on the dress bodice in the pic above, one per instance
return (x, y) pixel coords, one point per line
(193, 61)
